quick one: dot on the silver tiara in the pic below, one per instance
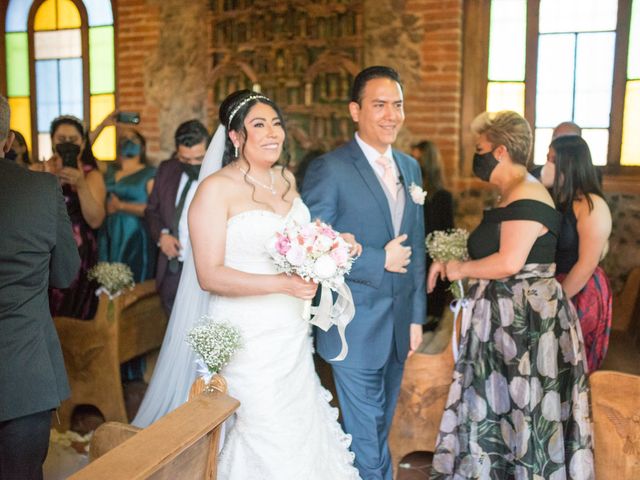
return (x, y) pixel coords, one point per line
(241, 104)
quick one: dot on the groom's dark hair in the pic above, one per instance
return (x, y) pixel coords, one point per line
(369, 73)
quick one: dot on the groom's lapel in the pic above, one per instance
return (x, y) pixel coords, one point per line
(406, 181)
(370, 178)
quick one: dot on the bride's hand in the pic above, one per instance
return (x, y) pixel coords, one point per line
(296, 286)
(356, 248)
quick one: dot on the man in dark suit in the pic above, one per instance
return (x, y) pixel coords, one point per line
(166, 214)
(37, 250)
(369, 189)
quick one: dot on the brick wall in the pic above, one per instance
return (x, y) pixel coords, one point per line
(434, 106)
(137, 33)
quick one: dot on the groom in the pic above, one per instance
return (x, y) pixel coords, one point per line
(363, 188)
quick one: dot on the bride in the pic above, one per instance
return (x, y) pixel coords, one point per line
(284, 428)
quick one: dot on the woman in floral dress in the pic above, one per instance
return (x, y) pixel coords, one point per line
(518, 407)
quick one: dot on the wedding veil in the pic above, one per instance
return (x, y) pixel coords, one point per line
(175, 369)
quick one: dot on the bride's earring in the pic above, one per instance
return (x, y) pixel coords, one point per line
(235, 151)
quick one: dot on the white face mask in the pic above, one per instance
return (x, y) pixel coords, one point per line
(547, 174)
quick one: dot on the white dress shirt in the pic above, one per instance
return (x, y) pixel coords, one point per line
(183, 225)
(372, 155)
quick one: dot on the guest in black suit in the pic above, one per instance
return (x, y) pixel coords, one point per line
(37, 249)
(166, 213)
(438, 215)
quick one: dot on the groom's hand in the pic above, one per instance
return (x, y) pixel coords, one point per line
(397, 255)
(415, 338)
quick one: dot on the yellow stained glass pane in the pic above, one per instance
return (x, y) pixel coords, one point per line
(21, 118)
(68, 14)
(630, 153)
(505, 96)
(45, 18)
(104, 148)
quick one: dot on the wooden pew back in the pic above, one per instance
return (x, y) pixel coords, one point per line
(181, 444)
(123, 328)
(615, 400)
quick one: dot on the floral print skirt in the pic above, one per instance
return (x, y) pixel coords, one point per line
(518, 407)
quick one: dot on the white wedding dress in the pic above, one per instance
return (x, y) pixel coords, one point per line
(285, 428)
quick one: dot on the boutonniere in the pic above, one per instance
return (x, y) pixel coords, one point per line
(417, 194)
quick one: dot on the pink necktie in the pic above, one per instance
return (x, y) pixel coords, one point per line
(389, 176)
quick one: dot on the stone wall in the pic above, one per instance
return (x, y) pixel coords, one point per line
(162, 66)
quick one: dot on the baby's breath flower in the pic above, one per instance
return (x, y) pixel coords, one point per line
(447, 245)
(215, 342)
(112, 276)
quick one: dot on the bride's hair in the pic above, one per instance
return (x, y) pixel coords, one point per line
(232, 113)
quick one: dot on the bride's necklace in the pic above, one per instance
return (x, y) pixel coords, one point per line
(271, 188)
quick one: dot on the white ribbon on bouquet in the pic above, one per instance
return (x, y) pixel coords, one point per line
(328, 314)
(456, 306)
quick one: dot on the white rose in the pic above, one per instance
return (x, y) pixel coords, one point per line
(322, 244)
(417, 194)
(295, 256)
(325, 267)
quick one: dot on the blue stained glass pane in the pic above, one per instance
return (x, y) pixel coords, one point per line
(99, 12)
(71, 91)
(17, 15)
(48, 105)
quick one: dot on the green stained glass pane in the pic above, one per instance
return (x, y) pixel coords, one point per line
(18, 58)
(101, 60)
(633, 67)
(507, 40)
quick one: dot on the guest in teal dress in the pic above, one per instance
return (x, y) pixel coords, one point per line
(124, 236)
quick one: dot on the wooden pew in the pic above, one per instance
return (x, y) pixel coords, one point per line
(423, 395)
(128, 326)
(615, 400)
(623, 354)
(182, 444)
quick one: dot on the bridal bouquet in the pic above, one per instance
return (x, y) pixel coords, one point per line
(215, 342)
(316, 252)
(447, 245)
(113, 278)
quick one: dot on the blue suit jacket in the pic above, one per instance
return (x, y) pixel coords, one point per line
(341, 189)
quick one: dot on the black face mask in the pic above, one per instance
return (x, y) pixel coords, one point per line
(483, 165)
(68, 152)
(192, 171)
(11, 155)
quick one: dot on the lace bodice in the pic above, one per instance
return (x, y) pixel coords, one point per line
(249, 232)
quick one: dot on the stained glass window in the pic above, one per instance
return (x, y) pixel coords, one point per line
(630, 152)
(507, 48)
(60, 64)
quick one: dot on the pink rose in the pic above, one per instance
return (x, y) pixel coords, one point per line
(328, 231)
(340, 256)
(282, 245)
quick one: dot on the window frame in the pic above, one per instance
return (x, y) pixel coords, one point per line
(475, 77)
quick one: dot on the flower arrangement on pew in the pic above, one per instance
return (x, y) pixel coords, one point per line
(215, 342)
(318, 253)
(113, 278)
